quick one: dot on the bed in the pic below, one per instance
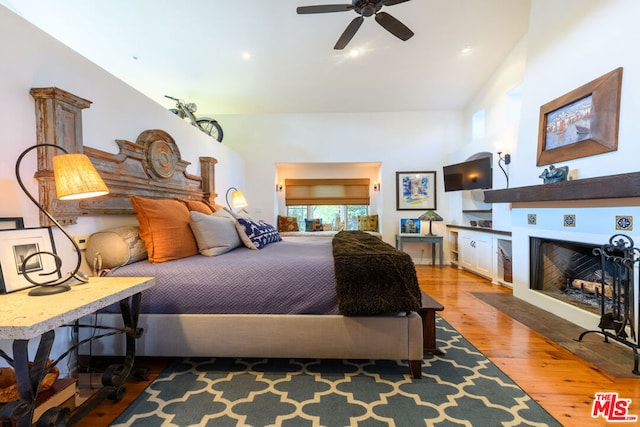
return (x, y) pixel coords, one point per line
(151, 168)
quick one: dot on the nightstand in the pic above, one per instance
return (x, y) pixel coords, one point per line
(24, 317)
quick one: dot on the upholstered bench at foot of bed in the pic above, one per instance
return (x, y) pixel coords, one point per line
(246, 335)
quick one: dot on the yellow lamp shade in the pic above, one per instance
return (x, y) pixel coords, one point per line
(238, 200)
(77, 178)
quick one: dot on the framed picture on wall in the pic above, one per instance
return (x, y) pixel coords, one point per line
(410, 226)
(18, 246)
(415, 191)
(581, 123)
(11, 223)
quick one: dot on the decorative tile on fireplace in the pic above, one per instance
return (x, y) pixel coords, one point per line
(569, 220)
(624, 222)
(531, 219)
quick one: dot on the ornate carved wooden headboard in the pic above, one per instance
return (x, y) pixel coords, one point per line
(149, 167)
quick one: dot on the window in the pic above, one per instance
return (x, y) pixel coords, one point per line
(335, 215)
(477, 125)
(337, 202)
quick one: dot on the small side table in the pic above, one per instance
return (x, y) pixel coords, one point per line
(25, 317)
(404, 238)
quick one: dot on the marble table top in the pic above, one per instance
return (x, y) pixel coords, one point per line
(25, 317)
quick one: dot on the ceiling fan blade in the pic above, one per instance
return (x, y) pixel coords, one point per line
(393, 2)
(348, 34)
(302, 10)
(394, 26)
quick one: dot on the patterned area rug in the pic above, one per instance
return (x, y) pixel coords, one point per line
(461, 388)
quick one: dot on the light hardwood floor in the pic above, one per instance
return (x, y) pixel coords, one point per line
(559, 381)
(562, 383)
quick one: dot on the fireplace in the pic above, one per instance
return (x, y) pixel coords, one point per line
(570, 272)
(598, 279)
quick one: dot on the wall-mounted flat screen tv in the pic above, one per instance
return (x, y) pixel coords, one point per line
(469, 175)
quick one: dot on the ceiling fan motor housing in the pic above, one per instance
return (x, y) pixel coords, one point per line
(367, 8)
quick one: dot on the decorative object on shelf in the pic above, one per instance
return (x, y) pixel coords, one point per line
(581, 123)
(554, 174)
(430, 216)
(377, 186)
(506, 159)
(415, 191)
(75, 178)
(237, 198)
(410, 226)
(624, 222)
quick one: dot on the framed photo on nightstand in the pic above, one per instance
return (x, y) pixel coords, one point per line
(19, 245)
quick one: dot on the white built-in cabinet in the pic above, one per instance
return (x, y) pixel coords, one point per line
(485, 252)
(475, 252)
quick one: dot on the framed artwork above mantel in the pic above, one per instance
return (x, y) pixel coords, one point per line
(581, 123)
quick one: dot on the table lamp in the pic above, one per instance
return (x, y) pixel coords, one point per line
(430, 216)
(75, 178)
(237, 198)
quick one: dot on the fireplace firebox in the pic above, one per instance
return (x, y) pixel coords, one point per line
(599, 279)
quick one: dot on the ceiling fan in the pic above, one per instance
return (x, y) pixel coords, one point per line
(364, 8)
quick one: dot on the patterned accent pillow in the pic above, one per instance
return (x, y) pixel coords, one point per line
(288, 223)
(368, 222)
(260, 234)
(313, 224)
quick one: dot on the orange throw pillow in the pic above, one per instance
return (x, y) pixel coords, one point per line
(164, 228)
(197, 206)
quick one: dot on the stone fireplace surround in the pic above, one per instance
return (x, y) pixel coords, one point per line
(539, 211)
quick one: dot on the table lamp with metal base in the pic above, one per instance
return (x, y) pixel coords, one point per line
(76, 178)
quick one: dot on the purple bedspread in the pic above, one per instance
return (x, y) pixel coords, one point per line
(289, 277)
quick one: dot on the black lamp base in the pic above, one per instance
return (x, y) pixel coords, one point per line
(39, 291)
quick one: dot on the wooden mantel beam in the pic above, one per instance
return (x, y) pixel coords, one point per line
(606, 187)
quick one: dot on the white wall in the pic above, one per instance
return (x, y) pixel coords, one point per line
(571, 43)
(409, 141)
(30, 59)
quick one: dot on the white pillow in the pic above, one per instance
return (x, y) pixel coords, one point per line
(225, 213)
(215, 235)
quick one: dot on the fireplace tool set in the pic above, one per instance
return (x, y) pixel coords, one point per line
(617, 310)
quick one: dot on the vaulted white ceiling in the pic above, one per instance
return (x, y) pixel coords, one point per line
(198, 49)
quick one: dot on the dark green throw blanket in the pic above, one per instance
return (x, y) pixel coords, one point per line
(373, 277)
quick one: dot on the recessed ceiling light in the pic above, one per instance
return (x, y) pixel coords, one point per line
(246, 55)
(354, 53)
(465, 50)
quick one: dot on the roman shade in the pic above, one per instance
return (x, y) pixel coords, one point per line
(354, 191)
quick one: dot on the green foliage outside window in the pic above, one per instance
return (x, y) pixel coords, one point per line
(345, 215)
